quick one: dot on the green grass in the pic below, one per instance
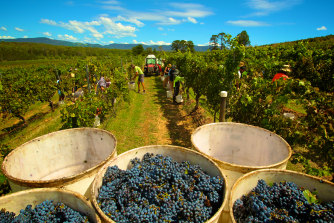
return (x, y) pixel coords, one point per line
(135, 124)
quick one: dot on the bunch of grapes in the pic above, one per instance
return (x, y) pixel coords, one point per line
(282, 202)
(159, 189)
(47, 211)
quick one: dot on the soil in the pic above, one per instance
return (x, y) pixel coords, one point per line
(174, 119)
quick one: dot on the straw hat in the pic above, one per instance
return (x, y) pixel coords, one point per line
(286, 68)
(241, 64)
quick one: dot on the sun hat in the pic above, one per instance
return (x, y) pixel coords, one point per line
(286, 68)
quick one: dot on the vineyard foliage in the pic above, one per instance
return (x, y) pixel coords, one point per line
(24, 86)
(255, 99)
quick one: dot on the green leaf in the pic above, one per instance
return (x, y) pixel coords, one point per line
(2, 178)
(311, 197)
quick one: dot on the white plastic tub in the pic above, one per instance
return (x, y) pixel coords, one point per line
(179, 154)
(132, 85)
(69, 159)
(239, 148)
(19, 200)
(325, 189)
(179, 98)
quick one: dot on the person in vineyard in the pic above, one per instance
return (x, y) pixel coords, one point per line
(60, 92)
(177, 84)
(74, 81)
(101, 84)
(171, 76)
(166, 71)
(282, 73)
(241, 74)
(138, 72)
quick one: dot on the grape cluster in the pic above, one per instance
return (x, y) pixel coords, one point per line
(281, 202)
(47, 211)
(159, 189)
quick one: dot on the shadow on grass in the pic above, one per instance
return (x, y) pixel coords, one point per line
(11, 130)
(176, 124)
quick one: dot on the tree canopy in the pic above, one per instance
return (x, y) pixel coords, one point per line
(183, 46)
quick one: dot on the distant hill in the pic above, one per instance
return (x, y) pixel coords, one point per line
(110, 46)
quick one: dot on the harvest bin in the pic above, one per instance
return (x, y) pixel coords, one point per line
(179, 154)
(19, 200)
(239, 148)
(325, 189)
(69, 159)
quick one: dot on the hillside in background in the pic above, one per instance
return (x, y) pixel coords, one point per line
(110, 46)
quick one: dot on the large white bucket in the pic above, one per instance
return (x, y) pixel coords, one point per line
(179, 98)
(179, 154)
(69, 159)
(19, 200)
(239, 148)
(132, 85)
(325, 189)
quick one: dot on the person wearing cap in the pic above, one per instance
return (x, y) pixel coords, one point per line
(171, 76)
(282, 73)
(138, 72)
(166, 71)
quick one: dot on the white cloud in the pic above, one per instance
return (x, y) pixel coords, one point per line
(7, 37)
(111, 42)
(205, 44)
(112, 5)
(3, 28)
(189, 10)
(67, 37)
(135, 41)
(107, 25)
(25, 37)
(160, 28)
(169, 21)
(191, 19)
(47, 34)
(247, 23)
(175, 13)
(265, 7)
(98, 35)
(118, 30)
(322, 28)
(130, 20)
(19, 29)
(171, 30)
(151, 42)
(49, 22)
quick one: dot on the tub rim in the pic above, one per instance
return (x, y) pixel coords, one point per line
(243, 168)
(104, 217)
(59, 181)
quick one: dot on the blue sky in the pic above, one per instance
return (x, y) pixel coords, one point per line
(162, 22)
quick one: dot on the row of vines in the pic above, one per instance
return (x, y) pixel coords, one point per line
(260, 101)
(22, 86)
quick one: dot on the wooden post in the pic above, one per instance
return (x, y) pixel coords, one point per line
(223, 95)
(87, 77)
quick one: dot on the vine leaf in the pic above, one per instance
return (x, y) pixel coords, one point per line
(311, 197)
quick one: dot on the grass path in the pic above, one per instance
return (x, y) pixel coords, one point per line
(150, 119)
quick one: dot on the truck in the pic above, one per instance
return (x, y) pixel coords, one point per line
(151, 66)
